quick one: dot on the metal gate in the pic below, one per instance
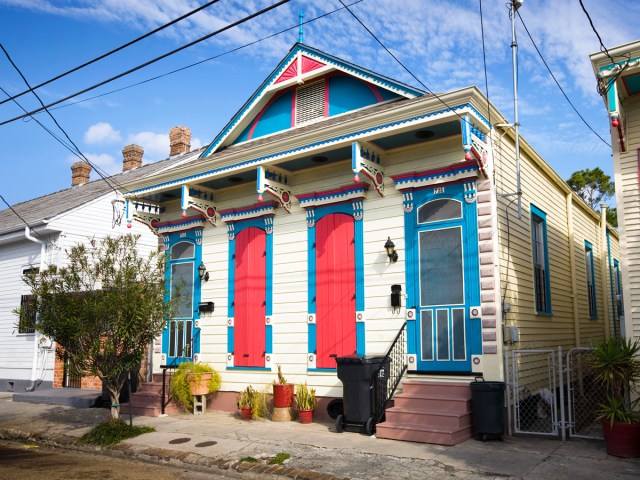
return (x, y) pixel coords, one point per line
(548, 394)
(583, 396)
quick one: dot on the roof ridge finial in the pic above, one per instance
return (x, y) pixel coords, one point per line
(301, 30)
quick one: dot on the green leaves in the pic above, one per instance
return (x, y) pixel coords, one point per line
(104, 307)
(593, 186)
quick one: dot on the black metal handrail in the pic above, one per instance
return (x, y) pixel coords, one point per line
(388, 375)
(164, 400)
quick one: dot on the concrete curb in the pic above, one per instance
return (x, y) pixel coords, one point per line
(175, 458)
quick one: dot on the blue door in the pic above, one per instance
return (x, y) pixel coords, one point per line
(181, 338)
(446, 278)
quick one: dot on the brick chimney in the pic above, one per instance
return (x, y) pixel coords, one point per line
(179, 140)
(80, 172)
(131, 157)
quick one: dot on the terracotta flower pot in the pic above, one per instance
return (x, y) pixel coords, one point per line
(305, 416)
(200, 383)
(245, 412)
(282, 395)
(622, 439)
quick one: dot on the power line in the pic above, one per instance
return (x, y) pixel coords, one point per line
(115, 50)
(558, 83)
(150, 62)
(54, 119)
(399, 62)
(24, 221)
(157, 77)
(484, 61)
(602, 47)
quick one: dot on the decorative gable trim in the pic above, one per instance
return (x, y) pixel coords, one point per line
(307, 60)
(252, 211)
(465, 170)
(316, 199)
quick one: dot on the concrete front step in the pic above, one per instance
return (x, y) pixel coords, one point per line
(423, 434)
(429, 412)
(444, 403)
(428, 417)
(461, 390)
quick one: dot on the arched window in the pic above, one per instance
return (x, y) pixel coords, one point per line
(440, 209)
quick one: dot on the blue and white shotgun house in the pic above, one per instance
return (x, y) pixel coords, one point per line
(340, 210)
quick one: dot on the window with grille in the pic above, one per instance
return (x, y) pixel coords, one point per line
(27, 321)
(540, 261)
(310, 102)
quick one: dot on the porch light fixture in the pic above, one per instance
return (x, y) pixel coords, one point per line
(202, 271)
(390, 247)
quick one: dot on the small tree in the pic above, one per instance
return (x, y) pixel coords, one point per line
(103, 308)
(593, 186)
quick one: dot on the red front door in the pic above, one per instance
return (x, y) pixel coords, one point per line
(335, 289)
(250, 298)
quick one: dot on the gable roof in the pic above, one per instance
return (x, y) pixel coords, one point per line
(42, 209)
(300, 64)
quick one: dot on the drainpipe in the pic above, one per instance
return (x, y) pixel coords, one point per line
(36, 338)
(572, 266)
(603, 267)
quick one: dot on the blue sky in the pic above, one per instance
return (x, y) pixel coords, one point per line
(438, 40)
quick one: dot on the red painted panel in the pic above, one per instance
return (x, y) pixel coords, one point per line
(290, 72)
(250, 298)
(335, 289)
(309, 64)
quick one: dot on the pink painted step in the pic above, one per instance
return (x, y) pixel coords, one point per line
(429, 412)
(147, 400)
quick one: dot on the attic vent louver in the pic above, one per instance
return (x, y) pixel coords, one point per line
(310, 102)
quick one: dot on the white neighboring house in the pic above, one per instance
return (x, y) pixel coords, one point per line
(56, 222)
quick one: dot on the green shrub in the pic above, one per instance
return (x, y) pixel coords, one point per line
(112, 432)
(180, 388)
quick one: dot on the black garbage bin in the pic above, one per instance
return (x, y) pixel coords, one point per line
(487, 407)
(360, 390)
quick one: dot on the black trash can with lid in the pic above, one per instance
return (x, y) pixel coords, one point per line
(487, 408)
(359, 389)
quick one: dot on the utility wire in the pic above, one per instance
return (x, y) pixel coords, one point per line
(484, 61)
(399, 62)
(24, 221)
(157, 77)
(115, 50)
(602, 47)
(54, 119)
(150, 62)
(558, 83)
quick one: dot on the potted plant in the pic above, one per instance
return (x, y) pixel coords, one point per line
(282, 391)
(616, 367)
(245, 402)
(305, 402)
(191, 379)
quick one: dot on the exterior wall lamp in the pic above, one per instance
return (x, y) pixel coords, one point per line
(202, 271)
(390, 247)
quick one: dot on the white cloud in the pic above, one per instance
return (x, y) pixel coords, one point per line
(107, 164)
(155, 145)
(100, 134)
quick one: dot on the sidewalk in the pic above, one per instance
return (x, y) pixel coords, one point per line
(217, 441)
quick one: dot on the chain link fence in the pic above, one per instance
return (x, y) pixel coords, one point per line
(584, 396)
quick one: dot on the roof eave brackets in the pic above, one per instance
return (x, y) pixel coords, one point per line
(367, 159)
(144, 212)
(199, 199)
(474, 144)
(274, 181)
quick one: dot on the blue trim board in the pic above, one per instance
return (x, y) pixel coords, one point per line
(319, 370)
(542, 216)
(593, 315)
(189, 236)
(613, 300)
(239, 226)
(256, 161)
(320, 212)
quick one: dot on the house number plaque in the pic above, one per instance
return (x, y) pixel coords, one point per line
(438, 190)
